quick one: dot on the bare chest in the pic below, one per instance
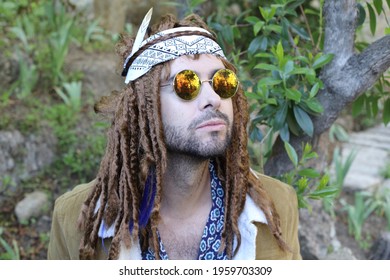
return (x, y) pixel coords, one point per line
(182, 242)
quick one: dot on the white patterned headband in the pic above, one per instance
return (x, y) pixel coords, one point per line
(179, 41)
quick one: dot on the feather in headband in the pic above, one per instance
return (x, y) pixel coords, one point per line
(185, 43)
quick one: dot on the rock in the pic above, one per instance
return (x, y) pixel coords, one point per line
(43, 224)
(372, 148)
(9, 141)
(316, 233)
(21, 157)
(40, 152)
(341, 254)
(31, 206)
(386, 185)
(380, 250)
(9, 71)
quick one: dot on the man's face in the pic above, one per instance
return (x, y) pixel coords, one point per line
(200, 127)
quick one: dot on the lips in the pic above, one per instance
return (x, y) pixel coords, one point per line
(211, 124)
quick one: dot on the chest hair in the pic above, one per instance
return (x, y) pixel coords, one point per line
(182, 242)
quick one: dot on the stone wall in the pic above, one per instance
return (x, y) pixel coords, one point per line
(23, 156)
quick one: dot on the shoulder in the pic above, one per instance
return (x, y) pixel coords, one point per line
(67, 207)
(279, 192)
(283, 196)
(74, 197)
(285, 200)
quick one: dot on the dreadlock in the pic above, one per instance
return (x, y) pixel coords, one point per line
(136, 152)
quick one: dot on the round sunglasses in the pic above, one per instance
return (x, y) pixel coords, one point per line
(187, 84)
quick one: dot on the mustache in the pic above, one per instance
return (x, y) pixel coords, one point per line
(208, 116)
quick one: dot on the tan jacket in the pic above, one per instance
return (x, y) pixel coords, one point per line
(65, 236)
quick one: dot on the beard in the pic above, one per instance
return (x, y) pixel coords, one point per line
(184, 141)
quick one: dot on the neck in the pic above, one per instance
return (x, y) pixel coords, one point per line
(186, 185)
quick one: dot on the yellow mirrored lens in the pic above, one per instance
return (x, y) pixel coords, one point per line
(186, 84)
(225, 83)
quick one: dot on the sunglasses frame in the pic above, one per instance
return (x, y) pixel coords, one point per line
(201, 82)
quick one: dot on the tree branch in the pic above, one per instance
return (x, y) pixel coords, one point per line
(344, 83)
(345, 78)
(340, 18)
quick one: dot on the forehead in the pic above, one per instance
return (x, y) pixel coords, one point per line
(204, 64)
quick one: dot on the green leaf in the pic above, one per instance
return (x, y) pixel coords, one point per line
(304, 121)
(20, 34)
(308, 153)
(302, 71)
(293, 94)
(303, 204)
(280, 116)
(292, 124)
(274, 28)
(259, 43)
(268, 81)
(285, 133)
(388, 3)
(288, 67)
(252, 19)
(309, 172)
(294, 4)
(292, 154)
(279, 51)
(252, 95)
(315, 106)
(374, 105)
(358, 104)
(299, 30)
(302, 185)
(372, 18)
(257, 27)
(265, 66)
(227, 34)
(264, 13)
(195, 3)
(314, 90)
(264, 55)
(254, 45)
(322, 60)
(338, 132)
(378, 6)
(303, 59)
(327, 192)
(256, 134)
(323, 182)
(267, 13)
(386, 112)
(311, 12)
(362, 15)
(271, 101)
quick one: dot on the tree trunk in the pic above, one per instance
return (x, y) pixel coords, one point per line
(112, 14)
(349, 75)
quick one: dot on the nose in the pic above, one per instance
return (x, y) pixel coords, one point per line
(208, 98)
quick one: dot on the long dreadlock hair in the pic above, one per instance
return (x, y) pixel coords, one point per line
(136, 153)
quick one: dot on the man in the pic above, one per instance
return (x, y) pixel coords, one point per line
(175, 181)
